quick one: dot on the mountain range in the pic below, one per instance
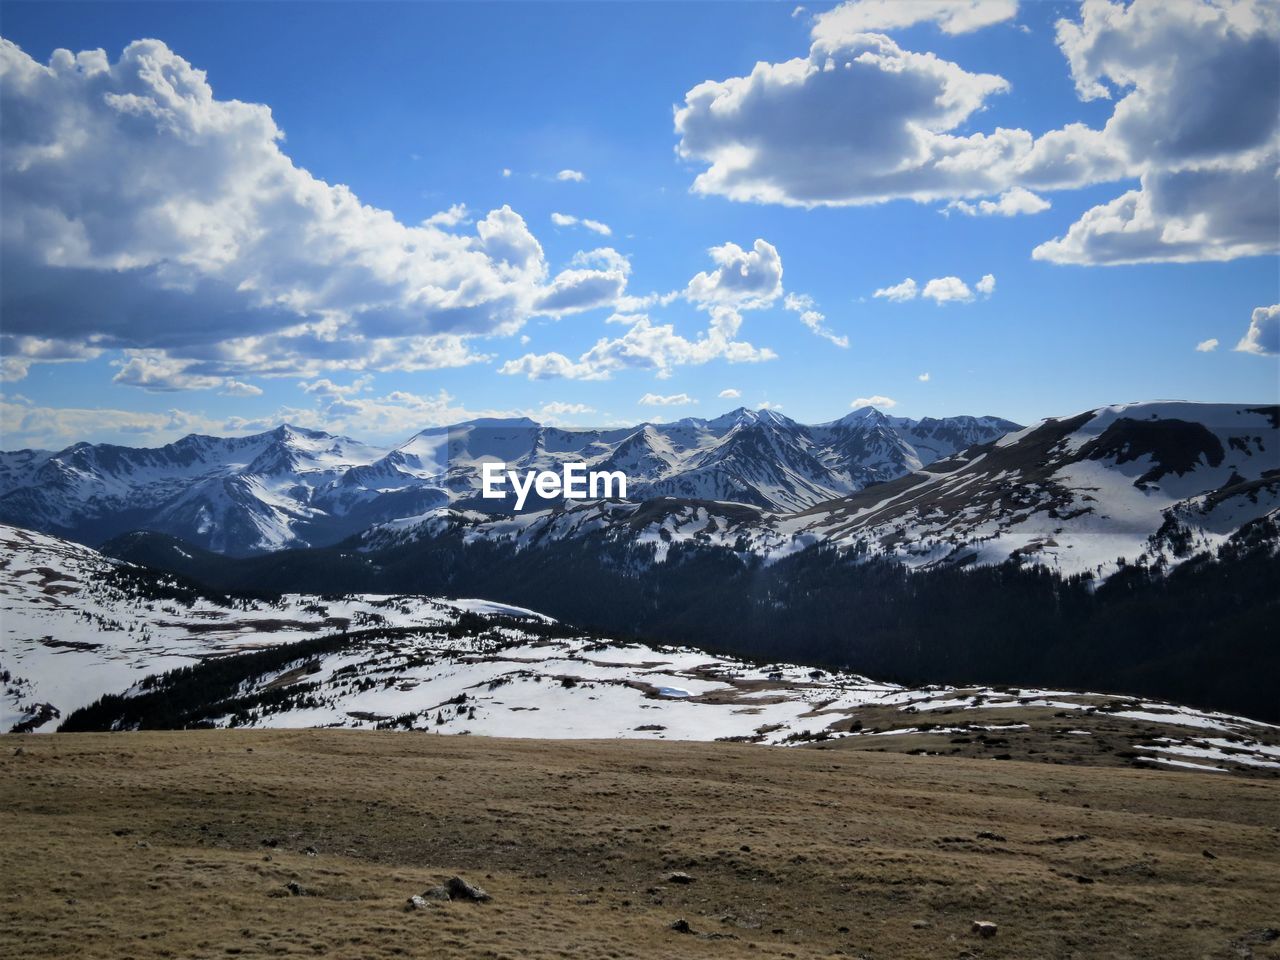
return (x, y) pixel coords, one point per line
(293, 487)
(1085, 494)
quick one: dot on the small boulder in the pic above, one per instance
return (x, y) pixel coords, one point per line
(295, 889)
(416, 903)
(984, 928)
(682, 926)
(678, 877)
(440, 892)
(920, 924)
(459, 889)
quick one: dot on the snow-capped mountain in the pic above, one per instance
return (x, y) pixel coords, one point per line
(1145, 481)
(79, 629)
(294, 487)
(1142, 482)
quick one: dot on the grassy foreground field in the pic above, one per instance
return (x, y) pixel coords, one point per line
(184, 845)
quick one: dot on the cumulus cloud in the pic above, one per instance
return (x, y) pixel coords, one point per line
(742, 279)
(1207, 346)
(1180, 217)
(1198, 112)
(455, 215)
(238, 388)
(883, 402)
(947, 290)
(1263, 335)
(568, 220)
(923, 378)
(940, 290)
(152, 370)
(573, 176)
(646, 346)
(673, 400)
(141, 212)
(597, 278)
(17, 354)
(729, 393)
(1011, 203)
(900, 292)
(861, 120)
(873, 16)
(803, 304)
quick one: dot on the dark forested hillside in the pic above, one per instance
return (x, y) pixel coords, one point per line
(1203, 633)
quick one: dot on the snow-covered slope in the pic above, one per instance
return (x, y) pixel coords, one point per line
(293, 487)
(1143, 482)
(77, 625)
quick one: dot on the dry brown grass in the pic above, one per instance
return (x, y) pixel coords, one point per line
(152, 845)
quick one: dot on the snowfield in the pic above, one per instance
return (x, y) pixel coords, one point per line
(77, 625)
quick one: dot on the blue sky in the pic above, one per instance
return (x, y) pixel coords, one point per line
(419, 107)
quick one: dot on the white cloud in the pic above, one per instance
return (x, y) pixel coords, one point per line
(238, 388)
(646, 346)
(152, 370)
(861, 120)
(568, 220)
(947, 290)
(1198, 113)
(906, 290)
(674, 400)
(768, 405)
(743, 279)
(1263, 335)
(803, 304)
(506, 171)
(326, 388)
(558, 408)
(139, 211)
(885, 403)
(1011, 203)
(454, 216)
(1207, 346)
(1180, 217)
(729, 393)
(596, 278)
(17, 354)
(923, 378)
(575, 176)
(940, 290)
(26, 424)
(874, 16)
